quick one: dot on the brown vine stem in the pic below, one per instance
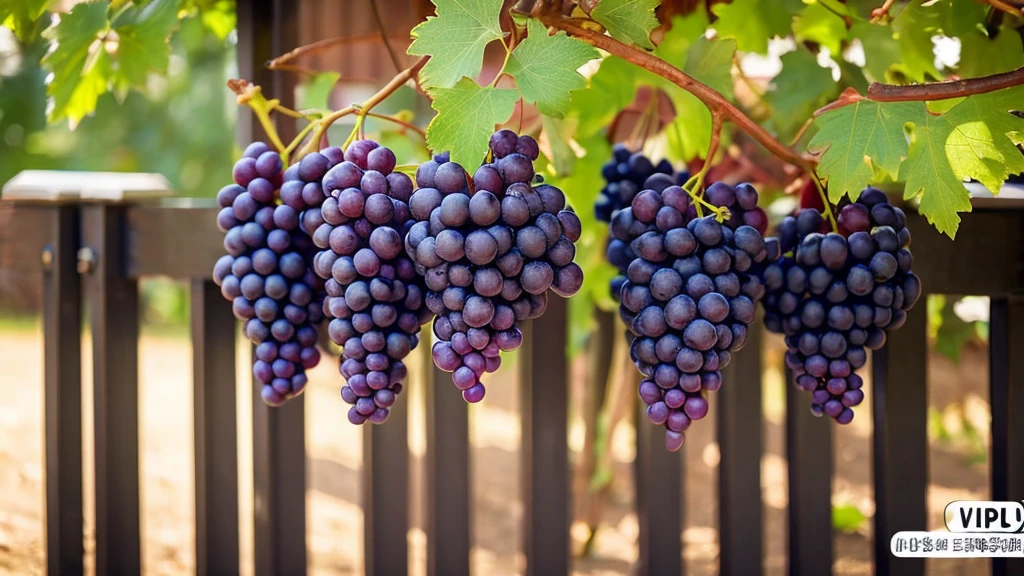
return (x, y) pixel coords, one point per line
(1005, 7)
(320, 46)
(710, 97)
(400, 122)
(882, 10)
(945, 90)
(384, 36)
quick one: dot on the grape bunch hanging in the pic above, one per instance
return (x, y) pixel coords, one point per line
(265, 273)
(489, 247)
(689, 296)
(835, 295)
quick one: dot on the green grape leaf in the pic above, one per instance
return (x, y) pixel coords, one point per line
(628, 20)
(675, 44)
(317, 90)
(611, 89)
(21, 15)
(881, 50)
(466, 115)
(984, 56)
(689, 134)
(142, 39)
(981, 143)
(710, 61)
(798, 90)
(816, 23)
(861, 142)
(754, 22)
(929, 176)
(455, 40)
(75, 62)
(914, 27)
(544, 68)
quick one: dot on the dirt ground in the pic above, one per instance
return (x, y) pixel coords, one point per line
(958, 392)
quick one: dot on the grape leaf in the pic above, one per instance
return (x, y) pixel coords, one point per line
(753, 22)
(675, 44)
(545, 68)
(316, 91)
(982, 137)
(21, 16)
(800, 88)
(142, 39)
(611, 89)
(466, 115)
(455, 40)
(984, 56)
(689, 134)
(914, 27)
(710, 61)
(818, 24)
(929, 176)
(859, 141)
(74, 61)
(881, 50)
(628, 20)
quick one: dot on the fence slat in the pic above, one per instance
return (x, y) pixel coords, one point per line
(900, 396)
(741, 443)
(114, 308)
(809, 456)
(385, 487)
(659, 498)
(216, 442)
(1006, 396)
(544, 399)
(62, 374)
(448, 489)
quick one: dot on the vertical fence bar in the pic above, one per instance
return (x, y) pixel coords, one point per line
(448, 491)
(809, 455)
(62, 360)
(659, 498)
(114, 307)
(741, 443)
(267, 28)
(216, 443)
(544, 400)
(386, 493)
(1006, 396)
(900, 396)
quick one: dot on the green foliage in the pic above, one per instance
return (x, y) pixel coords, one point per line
(754, 22)
(847, 518)
(544, 67)
(466, 115)
(630, 21)
(317, 90)
(22, 16)
(798, 90)
(455, 39)
(816, 23)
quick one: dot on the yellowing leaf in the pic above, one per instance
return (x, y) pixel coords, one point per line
(928, 175)
(545, 68)
(628, 20)
(76, 38)
(466, 115)
(859, 140)
(754, 22)
(455, 40)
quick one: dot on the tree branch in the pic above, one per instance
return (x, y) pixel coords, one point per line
(945, 90)
(712, 99)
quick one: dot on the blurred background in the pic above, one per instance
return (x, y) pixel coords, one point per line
(183, 126)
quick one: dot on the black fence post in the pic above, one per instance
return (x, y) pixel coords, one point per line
(659, 497)
(62, 397)
(741, 443)
(114, 310)
(448, 489)
(386, 493)
(216, 442)
(900, 396)
(544, 390)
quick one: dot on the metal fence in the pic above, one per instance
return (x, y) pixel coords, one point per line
(91, 256)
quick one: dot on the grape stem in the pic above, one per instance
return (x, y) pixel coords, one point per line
(695, 185)
(251, 95)
(945, 90)
(881, 11)
(400, 122)
(824, 201)
(1005, 7)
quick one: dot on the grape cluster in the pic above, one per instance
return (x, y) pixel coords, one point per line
(625, 175)
(834, 296)
(265, 275)
(374, 298)
(741, 201)
(688, 299)
(490, 256)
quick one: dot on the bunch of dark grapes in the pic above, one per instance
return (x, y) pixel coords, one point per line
(489, 256)
(741, 201)
(835, 295)
(265, 273)
(625, 175)
(688, 299)
(374, 298)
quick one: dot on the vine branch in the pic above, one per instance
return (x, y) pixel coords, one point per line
(716, 103)
(320, 46)
(384, 36)
(945, 90)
